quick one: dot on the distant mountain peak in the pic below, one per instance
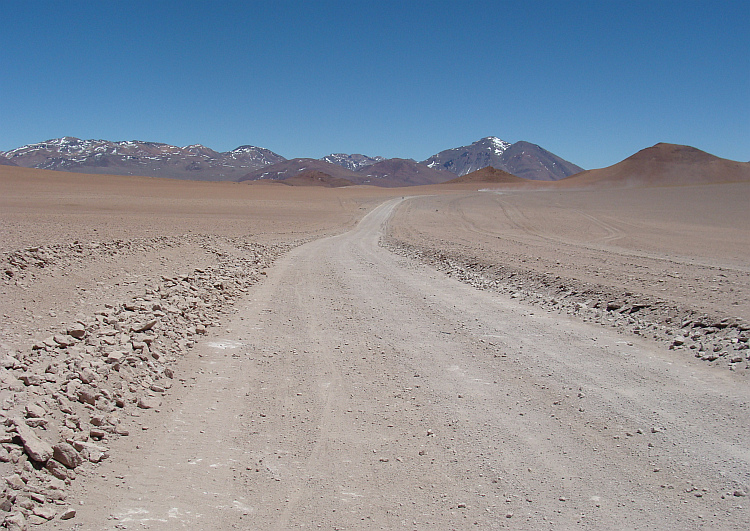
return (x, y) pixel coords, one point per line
(521, 159)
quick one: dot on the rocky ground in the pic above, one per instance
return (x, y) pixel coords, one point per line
(366, 376)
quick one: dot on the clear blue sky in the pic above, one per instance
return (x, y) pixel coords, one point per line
(592, 81)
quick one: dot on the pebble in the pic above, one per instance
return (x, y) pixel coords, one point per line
(149, 402)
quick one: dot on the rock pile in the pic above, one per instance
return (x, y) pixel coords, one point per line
(64, 400)
(718, 339)
(20, 264)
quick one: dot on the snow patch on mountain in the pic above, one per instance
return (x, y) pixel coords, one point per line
(499, 146)
(351, 162)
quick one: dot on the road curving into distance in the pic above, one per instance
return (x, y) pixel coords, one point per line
(356, 389)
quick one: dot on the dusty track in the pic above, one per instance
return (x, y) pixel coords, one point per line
(357, 389)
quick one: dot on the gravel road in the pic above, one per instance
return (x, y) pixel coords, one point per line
(357, 389)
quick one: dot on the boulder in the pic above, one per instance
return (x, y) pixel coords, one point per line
(67, 455)
(36, 448)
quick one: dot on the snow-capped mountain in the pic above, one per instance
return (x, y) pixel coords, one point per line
(466, 159)
(134, 157)
(249, 156)
(198, 162)
(522, 159)
(351, 162)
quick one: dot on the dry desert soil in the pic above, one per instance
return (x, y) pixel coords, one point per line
(186, 355)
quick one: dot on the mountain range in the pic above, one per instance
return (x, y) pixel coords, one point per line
(151, 159)
(659, 165)
(197, 162)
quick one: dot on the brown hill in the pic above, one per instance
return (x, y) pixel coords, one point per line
(5, 161)
(488, 175)
(316, 178)
(664, 165)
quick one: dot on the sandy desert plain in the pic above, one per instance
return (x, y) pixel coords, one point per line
(192, 355)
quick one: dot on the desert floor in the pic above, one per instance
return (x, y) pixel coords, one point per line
(424, 358)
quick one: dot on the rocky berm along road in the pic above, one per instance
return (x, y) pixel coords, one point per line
(357, 388)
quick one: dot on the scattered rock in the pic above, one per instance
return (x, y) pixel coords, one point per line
(15, 482)
(45, 512)
(87, 395)
(64, 340)
(31, 379)
(146, 325)
(56, 469)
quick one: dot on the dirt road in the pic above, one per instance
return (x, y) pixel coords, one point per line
(355, 389)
